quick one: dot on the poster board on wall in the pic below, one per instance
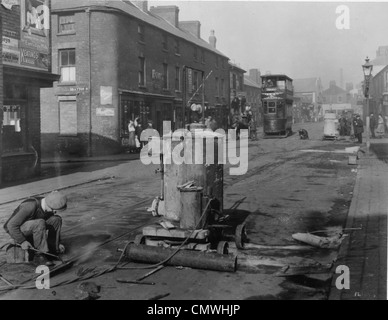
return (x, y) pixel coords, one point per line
(26, 43)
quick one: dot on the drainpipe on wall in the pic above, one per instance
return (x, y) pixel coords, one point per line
(90, 153)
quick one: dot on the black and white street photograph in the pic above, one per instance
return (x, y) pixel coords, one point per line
(193, 155)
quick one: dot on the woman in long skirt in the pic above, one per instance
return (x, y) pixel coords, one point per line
(132, 141)
(380, 127)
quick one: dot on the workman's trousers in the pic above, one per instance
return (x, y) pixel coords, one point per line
(45, 234)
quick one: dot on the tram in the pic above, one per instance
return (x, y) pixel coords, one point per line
(277, 99)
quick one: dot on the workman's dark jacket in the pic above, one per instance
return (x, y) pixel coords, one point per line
(358, 126)
(30, 209)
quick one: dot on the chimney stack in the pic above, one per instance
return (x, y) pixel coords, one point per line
(168, 13)
(192, 27)
(142, 5)
(212, 39)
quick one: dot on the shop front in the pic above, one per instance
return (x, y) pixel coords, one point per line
(26, 68)
(148, 110)
(21, 150)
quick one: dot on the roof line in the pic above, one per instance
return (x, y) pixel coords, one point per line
(120, 11)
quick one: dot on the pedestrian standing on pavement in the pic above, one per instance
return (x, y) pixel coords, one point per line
(358, 125)
(342, 125)
(348, 131)
(35, 225)
(138, 131)
(372, 124)
(380, 126)
(131, 135)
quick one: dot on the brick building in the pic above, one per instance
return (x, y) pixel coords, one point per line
(26, 68)
(334, 94)
(252, 85)
(379, 90)
(237, 93)
(119, 60)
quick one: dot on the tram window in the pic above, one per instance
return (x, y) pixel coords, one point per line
(281, 84)
(271, 107)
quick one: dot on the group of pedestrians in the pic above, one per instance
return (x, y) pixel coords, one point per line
(377, 125)
(345, 126)
(137, 136)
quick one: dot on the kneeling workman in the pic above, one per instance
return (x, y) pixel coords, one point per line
(34, 224)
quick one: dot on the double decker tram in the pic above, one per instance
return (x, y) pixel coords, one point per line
(277, 99)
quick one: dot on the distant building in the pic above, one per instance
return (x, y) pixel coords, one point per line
(349, 86)
(309, 91)
(334, 94)
(381, 56)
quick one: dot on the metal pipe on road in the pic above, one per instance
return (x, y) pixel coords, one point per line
(191, 259)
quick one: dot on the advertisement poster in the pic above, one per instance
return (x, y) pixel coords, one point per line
(29, 46)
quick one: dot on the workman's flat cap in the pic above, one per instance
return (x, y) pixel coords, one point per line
(56, 201)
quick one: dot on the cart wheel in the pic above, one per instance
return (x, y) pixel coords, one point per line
(140, 239)
(223, 247)
(241, 236)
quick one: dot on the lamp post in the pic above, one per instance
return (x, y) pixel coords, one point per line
(367, 69)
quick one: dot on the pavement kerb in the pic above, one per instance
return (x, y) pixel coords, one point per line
(335, 294)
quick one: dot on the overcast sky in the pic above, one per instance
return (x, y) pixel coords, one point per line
(300, 39)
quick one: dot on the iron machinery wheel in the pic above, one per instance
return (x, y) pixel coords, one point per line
(223, 247)
(241, 236)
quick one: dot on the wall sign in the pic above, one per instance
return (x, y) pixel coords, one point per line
(105, 112)
(106, 95)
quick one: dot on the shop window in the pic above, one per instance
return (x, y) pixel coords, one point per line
(130, 110)
(142, 71)
(13, 128)
(195, 81)
(68, 118)
(66, 24)
(67, 65)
